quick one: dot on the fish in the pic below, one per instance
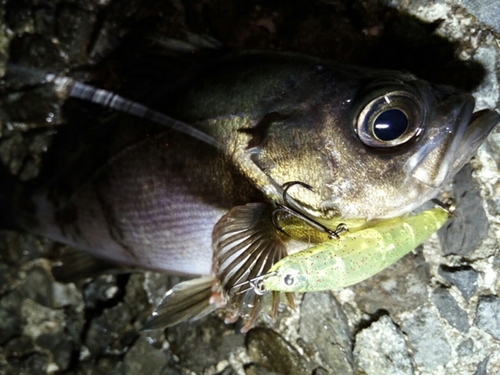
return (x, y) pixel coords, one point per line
(249, 136)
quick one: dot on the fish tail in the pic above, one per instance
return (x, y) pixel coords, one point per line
(189, 300)
(8, 188)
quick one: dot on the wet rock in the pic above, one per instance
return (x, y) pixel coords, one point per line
(32, 363)
(103, 366)
(135, 296)
(70, 36)
(5, 275)
(465, 348)
(156, 285)
(256, 369)
(157, 359)
(487, 11)
(101, 291)
(271, 351)
(22, 354)
(324, 327)
(469, 227)
(398, 288)
(40, 320)
(449, 310)
(320, 371)
(427, 340)
(381, 349)
(74, 26)
(211, 340)
(38, 286)
(482, 367)
(67, 295)
(10, 320)
(111, 332)
(60, 345)
(464, 278)
(6, 367)
(17, 248)
(488, 315)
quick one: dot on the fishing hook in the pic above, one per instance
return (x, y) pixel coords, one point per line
(448, 205)
(288, 208)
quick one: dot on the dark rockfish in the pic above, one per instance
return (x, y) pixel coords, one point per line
(370, 144)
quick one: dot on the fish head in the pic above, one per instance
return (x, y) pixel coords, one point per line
(412, 137)
(373, 145)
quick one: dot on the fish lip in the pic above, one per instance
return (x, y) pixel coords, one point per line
(451, 147)
(481, 123)
(431, 164)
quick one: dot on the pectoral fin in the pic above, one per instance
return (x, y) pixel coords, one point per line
(246, 245)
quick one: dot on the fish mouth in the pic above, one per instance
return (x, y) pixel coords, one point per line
(451, 147)
(481, 124)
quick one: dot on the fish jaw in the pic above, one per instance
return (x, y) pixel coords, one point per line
(380, 182)
(481, 124)
(449, 148)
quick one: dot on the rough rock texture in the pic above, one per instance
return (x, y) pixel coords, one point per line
(434, 312)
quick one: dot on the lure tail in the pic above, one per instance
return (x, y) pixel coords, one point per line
(189, 300)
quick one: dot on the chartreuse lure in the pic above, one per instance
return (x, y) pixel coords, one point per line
(353, 257)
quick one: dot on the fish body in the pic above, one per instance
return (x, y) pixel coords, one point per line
(369, 144)
(354, 257)
(150, 203)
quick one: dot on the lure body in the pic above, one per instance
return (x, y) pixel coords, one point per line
(355, 256)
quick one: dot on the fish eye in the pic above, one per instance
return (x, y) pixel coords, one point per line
(390, 120)
(289, 280)
(390, 124)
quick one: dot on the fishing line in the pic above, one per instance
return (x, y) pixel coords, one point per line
(78, 90)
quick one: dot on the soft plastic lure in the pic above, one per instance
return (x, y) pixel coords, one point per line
(353, 257)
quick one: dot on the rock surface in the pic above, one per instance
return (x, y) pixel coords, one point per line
(434, 312)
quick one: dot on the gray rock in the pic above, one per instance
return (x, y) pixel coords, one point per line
(38, 286)
(401, 287)
(464, 278)
(10, 319)
(469, 226)
(427, 339)
(482, 367)
(100, 290)
(157, 359)
(465, 348)
(449, 310)
(204, 343)
(487, 11)
(79, 38)
(324, 327)
(265, 346)
(102, 338)
(381, 349)
(60, 345)
(488, 315)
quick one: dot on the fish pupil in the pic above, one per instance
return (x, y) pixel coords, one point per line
(390, 125)
(288, 280)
